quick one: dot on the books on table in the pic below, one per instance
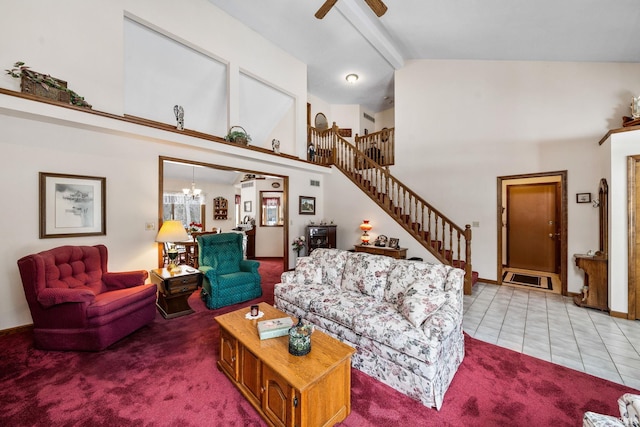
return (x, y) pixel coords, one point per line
(274, 327)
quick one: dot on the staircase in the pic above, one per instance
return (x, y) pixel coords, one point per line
(448, 242)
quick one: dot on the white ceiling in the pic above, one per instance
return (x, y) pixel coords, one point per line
(351, 39)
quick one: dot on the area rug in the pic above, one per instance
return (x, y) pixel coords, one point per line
(527, 279)
(165, 374)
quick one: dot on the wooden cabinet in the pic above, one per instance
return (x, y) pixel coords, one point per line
(320, 236)
(220, 208)
(301, 391)
(400, 253)
(228, 354)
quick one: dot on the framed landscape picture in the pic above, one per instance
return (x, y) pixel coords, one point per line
(72, 205)
(307, 205)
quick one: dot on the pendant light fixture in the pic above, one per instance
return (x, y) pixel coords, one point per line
(193, 191)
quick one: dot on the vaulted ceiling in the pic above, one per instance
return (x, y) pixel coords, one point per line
(351, 39)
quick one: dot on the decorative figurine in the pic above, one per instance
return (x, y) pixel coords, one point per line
(635, 108)
(179, 112)
(275, 144)
(312, 152)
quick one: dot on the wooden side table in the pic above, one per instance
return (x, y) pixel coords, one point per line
(400, 253)
(174, 290)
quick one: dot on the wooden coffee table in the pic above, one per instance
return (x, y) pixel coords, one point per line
(312, 390)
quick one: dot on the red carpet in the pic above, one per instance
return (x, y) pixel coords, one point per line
(165, 375)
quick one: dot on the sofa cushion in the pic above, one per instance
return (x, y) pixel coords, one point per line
(307, 271)
(418, 306)
(301, 296)
(332, 262)
(404, 274)
(366, 273)
(344, 308)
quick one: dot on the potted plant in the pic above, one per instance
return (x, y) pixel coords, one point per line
(239, 135)
(45, 86)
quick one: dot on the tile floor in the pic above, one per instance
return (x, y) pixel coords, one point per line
(551, 327)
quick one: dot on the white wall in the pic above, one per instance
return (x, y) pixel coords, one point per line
(36, 137)
(385, 119)
(461, 124)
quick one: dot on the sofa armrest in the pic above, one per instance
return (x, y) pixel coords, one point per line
(288, 276)
(125, 279)
(442, 323)
(629, 405)
(48, 297)
(204, 269)
(249, 265)
(209, 275)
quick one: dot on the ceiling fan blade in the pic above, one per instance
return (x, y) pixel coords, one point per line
(377, 6)
(325, 8)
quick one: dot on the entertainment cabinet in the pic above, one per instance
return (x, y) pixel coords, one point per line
(320, 236)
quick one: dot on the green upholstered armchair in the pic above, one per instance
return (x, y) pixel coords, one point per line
(228, 278)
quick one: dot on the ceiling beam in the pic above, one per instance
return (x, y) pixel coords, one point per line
(368, 24)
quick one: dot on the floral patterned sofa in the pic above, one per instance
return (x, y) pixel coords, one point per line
(629, 405)
(403, 317)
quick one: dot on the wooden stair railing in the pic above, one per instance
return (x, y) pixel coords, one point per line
(448, 242)
(378, 146)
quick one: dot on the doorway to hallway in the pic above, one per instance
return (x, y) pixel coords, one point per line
(532, 231)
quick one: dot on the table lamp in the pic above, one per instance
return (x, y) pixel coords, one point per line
(365, 227)
(172, 231)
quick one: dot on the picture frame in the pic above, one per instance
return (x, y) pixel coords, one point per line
(394, 243)
(307, 205)
(583, 197)
(72, 205)
(247, 206)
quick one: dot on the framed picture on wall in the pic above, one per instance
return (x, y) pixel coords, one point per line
(247, 206)
(307, 205)
(72, 205)
(583, 198)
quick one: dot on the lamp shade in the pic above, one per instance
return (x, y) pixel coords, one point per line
(172, 231)
(365, 226)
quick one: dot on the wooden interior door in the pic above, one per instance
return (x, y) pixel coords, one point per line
(633, 171)
(533, 229)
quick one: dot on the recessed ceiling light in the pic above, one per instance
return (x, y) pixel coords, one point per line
(352, 78)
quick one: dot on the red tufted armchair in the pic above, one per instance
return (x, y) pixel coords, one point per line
(77, 305)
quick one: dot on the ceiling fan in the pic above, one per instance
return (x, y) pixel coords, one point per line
(377, 6)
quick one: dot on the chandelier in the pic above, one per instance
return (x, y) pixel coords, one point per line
(193, 191)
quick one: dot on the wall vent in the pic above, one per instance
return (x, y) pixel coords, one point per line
(247, 184)
(368, 117)
(314, 183)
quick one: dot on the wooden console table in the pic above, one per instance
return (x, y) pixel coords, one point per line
(383, 250)
(303, 391)
(596, 282)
